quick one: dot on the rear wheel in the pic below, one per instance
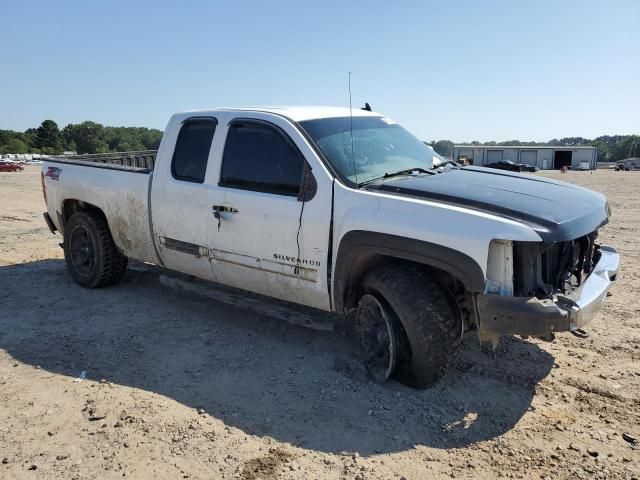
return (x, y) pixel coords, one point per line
(92, 257)
(408, 325)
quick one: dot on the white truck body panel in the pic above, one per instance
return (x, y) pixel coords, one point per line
(121, 195)
(179, 210)
(297, 113)
(256, 248)
(467, 231)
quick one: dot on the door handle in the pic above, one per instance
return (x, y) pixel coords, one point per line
(218, 209)
(224, 209)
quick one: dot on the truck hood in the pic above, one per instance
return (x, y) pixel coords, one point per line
(557, 211)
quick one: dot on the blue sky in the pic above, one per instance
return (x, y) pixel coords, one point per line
(460, 70)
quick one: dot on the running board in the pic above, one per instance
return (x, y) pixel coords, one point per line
(266, 306)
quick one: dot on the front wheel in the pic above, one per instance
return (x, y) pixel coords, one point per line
(379, 336)
(408, 325)
(92, 257)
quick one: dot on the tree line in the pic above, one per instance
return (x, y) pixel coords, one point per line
(85, 137)
(611, 148)
(92, 137)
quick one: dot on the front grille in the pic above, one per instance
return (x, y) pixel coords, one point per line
(542, 269)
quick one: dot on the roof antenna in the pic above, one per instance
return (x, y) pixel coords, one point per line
(366, 107)
(353, 153)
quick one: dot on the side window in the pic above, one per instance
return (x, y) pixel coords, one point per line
(190, 156)
(261, 158)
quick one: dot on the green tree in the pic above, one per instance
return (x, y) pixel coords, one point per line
(31, 138)
(88, 137)
(603, 150)
(629, 146)
(14, 145)
(68, 142)
(150, 138)
(48, 136)
(574, 141)
(122, 139)
(444, 148)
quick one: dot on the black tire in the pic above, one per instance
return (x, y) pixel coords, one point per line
(427, 319)
(92, 257)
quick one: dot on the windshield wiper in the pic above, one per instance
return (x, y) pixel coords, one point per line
(405, 171)
(446, 162)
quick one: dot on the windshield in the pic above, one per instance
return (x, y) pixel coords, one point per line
(379, 146)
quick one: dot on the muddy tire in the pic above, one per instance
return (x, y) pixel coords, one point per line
(92, 258)
(420, 325)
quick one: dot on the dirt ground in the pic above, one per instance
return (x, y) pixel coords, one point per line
(178, 386)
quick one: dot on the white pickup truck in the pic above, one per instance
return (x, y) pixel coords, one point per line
(343, 211)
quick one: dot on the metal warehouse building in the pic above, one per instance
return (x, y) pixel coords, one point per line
(543, 157)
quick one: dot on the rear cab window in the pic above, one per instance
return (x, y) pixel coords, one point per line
(190, 156)
(259, 156)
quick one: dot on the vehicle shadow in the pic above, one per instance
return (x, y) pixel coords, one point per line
(258, 374)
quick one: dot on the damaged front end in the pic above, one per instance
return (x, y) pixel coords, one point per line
(544, 269)
(557, 286)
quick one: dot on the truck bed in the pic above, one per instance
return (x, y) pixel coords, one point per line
(117, 184)
(142, 161)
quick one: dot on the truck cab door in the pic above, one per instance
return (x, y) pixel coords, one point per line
(180, 197)
(269, 219)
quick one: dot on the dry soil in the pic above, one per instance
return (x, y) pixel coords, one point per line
(178, 386)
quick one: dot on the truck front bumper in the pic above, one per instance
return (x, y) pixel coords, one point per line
(532, 316)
